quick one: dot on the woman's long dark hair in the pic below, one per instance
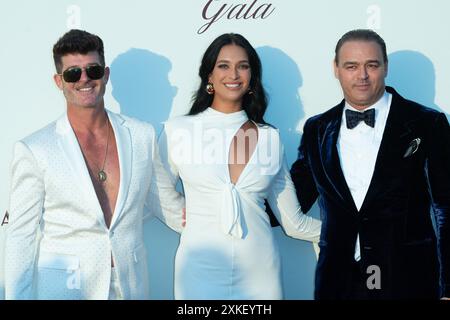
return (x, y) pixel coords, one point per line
(254, 104)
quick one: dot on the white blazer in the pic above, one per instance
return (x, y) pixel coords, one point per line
(58, 245)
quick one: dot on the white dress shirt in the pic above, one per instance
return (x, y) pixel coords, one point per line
(358, 150)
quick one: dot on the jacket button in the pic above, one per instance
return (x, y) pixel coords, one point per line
(367, 248)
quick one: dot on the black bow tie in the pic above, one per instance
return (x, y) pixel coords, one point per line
(354, 117)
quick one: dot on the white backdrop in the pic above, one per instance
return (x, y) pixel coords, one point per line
(154, 48)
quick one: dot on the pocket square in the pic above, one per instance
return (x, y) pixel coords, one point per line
(412, 147)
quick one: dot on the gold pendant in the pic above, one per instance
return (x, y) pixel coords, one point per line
(102, 176)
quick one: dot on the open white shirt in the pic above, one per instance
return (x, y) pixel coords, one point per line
(358, 150)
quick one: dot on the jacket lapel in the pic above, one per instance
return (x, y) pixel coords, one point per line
(74, 157)
(124, 149)
(397, 133)
(330, 158)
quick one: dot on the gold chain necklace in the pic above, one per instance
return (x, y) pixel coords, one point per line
(102, 176)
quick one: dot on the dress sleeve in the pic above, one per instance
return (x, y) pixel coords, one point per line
(283, 200)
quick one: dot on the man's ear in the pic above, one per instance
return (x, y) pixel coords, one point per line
(106, 76)
(335, 68)
(58, 80)
(386, 65)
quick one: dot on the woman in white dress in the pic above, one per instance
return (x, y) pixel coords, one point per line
(229, 161)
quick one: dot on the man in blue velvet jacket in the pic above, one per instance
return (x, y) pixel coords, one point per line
(377, 163)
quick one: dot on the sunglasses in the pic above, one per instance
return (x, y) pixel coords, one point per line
(93, 72)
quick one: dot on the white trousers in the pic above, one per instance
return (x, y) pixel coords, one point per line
(114, 288)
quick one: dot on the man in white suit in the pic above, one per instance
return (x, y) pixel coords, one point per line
(80, 187)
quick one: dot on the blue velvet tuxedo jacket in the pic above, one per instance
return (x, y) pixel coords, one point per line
(394, 222)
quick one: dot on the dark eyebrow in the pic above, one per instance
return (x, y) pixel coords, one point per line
(89, 64)
(347, 63)
(227, 61)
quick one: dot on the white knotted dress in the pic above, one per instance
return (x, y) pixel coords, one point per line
(227, 249)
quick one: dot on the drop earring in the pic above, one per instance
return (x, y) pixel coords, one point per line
(210, 88)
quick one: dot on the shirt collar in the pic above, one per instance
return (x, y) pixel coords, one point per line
(381, 104)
